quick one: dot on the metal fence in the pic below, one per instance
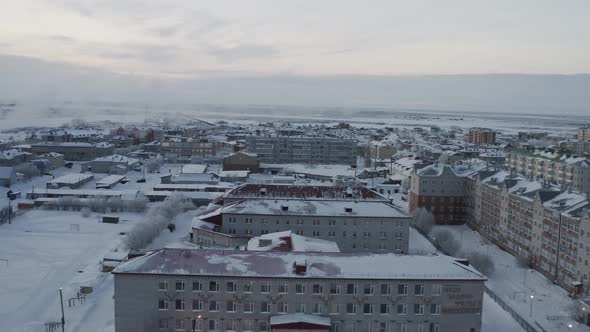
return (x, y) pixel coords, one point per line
(518, 318)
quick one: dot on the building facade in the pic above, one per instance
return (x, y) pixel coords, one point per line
(303, 149)
(213, 290)
(482, 136)
(354, 226)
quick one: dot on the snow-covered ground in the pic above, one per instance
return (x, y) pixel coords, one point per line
(496, 319)
(45, 250)
(515, 285)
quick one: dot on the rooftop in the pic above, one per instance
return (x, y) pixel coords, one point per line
(289, 241)
(282, 191)
(275, 264)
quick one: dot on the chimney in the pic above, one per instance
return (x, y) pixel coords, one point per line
(300, 267)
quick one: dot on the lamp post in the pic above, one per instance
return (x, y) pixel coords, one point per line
(531, 313)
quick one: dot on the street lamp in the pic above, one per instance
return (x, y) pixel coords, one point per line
(569, 326)
(531, 313)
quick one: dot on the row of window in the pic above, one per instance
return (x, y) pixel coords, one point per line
(230, 306)
(248, 325)
(333, 288)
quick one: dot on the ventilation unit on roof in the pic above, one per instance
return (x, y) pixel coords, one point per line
(348, 209)
(284, 208)
(262, 191)
(300, 267)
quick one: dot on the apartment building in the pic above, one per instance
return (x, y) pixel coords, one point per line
(303, 149)
(482, 136)
(538, 222)
(441, 190)
(551, 166)
(584, 133)
(354, 226)
(214, 290)
(185, 148)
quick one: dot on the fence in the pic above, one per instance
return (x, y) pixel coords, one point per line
(15, 213)
(518, 318)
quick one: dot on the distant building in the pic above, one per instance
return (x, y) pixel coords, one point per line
(7, 176)
(241, 161)
(213, 290)
(71, 181)
(482, 136)
(584, 133)
(75, 151)
(13, 157)
(354, 226)
(303, 149)
(114, 164)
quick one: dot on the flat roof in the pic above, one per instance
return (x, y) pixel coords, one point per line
(199, 262)
(71, 178)
(316, 208)
(288, 191)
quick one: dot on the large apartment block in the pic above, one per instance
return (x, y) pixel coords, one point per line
(303, 149)
(354, 226)
(546, 226)
(568, 171)
(213, 290)
(482, 136)
(441, 190)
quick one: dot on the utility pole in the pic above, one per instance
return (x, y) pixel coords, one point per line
(63, 318)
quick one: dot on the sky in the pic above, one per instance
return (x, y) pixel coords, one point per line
(193, 38)
(164, 42)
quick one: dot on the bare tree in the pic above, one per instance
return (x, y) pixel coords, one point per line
(27, 170)
(85, 212)
(482, 262)
(153, 165)
(446, 241)
(423, 220)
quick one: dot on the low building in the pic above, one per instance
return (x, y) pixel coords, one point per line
(56, 160)
(109, 182)
(75, 151)
(113, 164)
(215, 290)
(71, 181)
(241, 161)
(354, 226)
(233, 176)
(13, 157)
(288, 241)
(7, 176)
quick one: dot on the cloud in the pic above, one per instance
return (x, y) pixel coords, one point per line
(242, 52)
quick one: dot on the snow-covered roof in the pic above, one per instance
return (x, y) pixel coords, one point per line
(12, 153)
(193, 186)
(190, 194)
(193, 169)
(110, 180)
(319, 170)
(316, 208)
(118, 159)
(300, 318)
(289, 241)
(72, 178)
(303, 192)
(234, 174)
(274, 264)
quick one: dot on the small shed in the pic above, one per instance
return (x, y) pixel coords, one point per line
(241, 161)
(110, 219)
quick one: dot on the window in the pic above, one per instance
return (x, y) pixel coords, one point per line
(179, 324)
(335, 308)
(265, 307)
(300, 308)
(249, 306)
(163, 285)
(248, 325)
(436, 289)
(334, 288)
(434, 309)
(385, 289)
(317, 289)
(299, 288)
(163, 324)
(263, 326)
(331, 233)
(230, 287)
(283, 288)
(367, 308)
(418, 309)
(419, 289)
(402, 309)
(400, 327)
(213, 286)
(351, 308)
(351, 289)
(214, 325)
(384, 308)
(197, 305)
(315, 233)
(197, 286)
(368, 289)
(433, 327)
(265, 288)
(402, 289)
(382, 327)
(332, 222)
(282, 307)
(230, 325)
(213, 305)
(162, 304)
(179, 285)
(230, 306)
(179, 304)
(247, 287)
(317, 308)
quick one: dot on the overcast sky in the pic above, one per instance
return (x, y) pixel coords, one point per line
(192, 38)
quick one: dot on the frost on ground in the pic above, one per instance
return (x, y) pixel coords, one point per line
(515, 285)
(496, 319)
